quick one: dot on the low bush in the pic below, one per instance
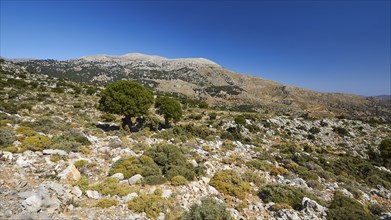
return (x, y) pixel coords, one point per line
(341, 131)
(285, 194)
(80, 163)
(111, 186)
(56, 157)
(343, 207)
(26, 131)
(107, 117)
(36, 142)
(178, 181)
(208, 209)
(151, 204)
(107, 202)
(154, 180)
(230, 183)
(70, 141)
(130, 166)
(7, 137)
(171, 161)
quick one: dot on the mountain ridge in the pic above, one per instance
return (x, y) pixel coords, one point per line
(204, 79)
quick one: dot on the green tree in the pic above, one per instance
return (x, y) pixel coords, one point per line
(127, 98)
(169, 108)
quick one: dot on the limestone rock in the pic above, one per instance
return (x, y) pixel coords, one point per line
(70, 173)
(135, 179)
(92, 194)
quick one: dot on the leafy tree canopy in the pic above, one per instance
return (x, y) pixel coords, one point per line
(169, 108)
(126, 98)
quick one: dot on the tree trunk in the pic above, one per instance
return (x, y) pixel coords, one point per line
(127, 122)
(166, 122)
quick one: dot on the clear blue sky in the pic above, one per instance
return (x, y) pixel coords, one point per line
(333, 46)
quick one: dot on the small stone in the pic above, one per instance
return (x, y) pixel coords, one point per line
(135, 179)
(92, 194)
(129, 196)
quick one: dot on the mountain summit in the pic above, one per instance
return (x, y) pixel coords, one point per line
(204, 79)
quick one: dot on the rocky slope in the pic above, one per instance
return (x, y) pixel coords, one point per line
(202, 78)
(59, 157)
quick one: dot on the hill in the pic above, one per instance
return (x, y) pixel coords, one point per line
(204, 79)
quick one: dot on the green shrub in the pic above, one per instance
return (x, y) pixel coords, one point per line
(36, 142)
(240, 120)
(263, 165)
(45, 125)
(203, 105)
(212, 116)
(26, 131)
(151, 204)
(209, 209)
(230, 183)
(107, 117)
(343, 207)
(71, 140)
(154, 180)
(107, 202)
(285, 194)
(7, 137)
(111, 186)
(56, 157)
(178, 181)
(80, 163)
(280, 206)
(82, 183)
(171, 161)
(131, 166)
(341, 131)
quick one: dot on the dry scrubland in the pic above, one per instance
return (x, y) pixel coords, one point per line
(63, 158)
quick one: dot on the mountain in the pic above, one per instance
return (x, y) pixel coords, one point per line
(202, 78)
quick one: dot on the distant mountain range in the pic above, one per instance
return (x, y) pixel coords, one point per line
(204, 79)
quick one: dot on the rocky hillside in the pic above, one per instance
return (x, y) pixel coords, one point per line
(202, 78)
(61, 158)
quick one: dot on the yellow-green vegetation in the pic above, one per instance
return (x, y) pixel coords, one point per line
(283, 194)
(179, 180)
(107, 202)
(83, 183)
(26, 131)
(280, 206)
(71, 140)
(110, 186)
(7, 137)
(56, 157)
(230, 183)
(208, 209)
(36, 142)
(130, 166)
(171, 161)
(343, 207)
(80, 163)
(151, 204)
(167, 160)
